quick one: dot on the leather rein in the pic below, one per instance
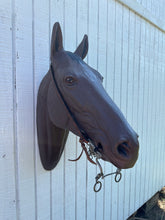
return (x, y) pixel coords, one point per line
(92, 151)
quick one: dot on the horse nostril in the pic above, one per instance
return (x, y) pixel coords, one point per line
(123, 149)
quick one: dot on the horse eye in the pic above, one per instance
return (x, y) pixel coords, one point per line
(69, 80)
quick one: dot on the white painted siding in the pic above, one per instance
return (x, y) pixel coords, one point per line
(129, 51)
(156, 8)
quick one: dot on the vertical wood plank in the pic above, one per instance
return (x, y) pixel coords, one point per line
(155, 98)
(156, 109)
(158, 114)
(40, 67)
(162, 115)
(161, 120)
(146, 107)
(24, 99)
(141, 104)
(136, 104)
(163, 105)
(152, 59)
(161, 101)
(152, 110)
(163, 155)
(149, 107)
(8, 197)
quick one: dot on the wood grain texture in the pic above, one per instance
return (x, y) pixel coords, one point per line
(24, 97)
(8, 180)
(130, 54)
(152, 14)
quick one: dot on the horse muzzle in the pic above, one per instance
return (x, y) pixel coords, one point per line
(124, 155)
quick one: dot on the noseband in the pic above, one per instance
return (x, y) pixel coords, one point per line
(88, 147)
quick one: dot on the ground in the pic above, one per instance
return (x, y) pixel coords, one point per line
(157, 212)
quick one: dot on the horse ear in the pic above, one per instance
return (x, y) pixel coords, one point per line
(56, 41)
(82, 49)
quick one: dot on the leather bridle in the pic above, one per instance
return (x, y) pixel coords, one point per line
(84, 135)
(93, 150)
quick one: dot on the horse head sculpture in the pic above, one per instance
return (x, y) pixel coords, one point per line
(71, 97)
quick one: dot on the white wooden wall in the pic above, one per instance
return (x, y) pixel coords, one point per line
(129, 51)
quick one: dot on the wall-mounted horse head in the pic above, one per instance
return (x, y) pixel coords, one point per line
(71, 97)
